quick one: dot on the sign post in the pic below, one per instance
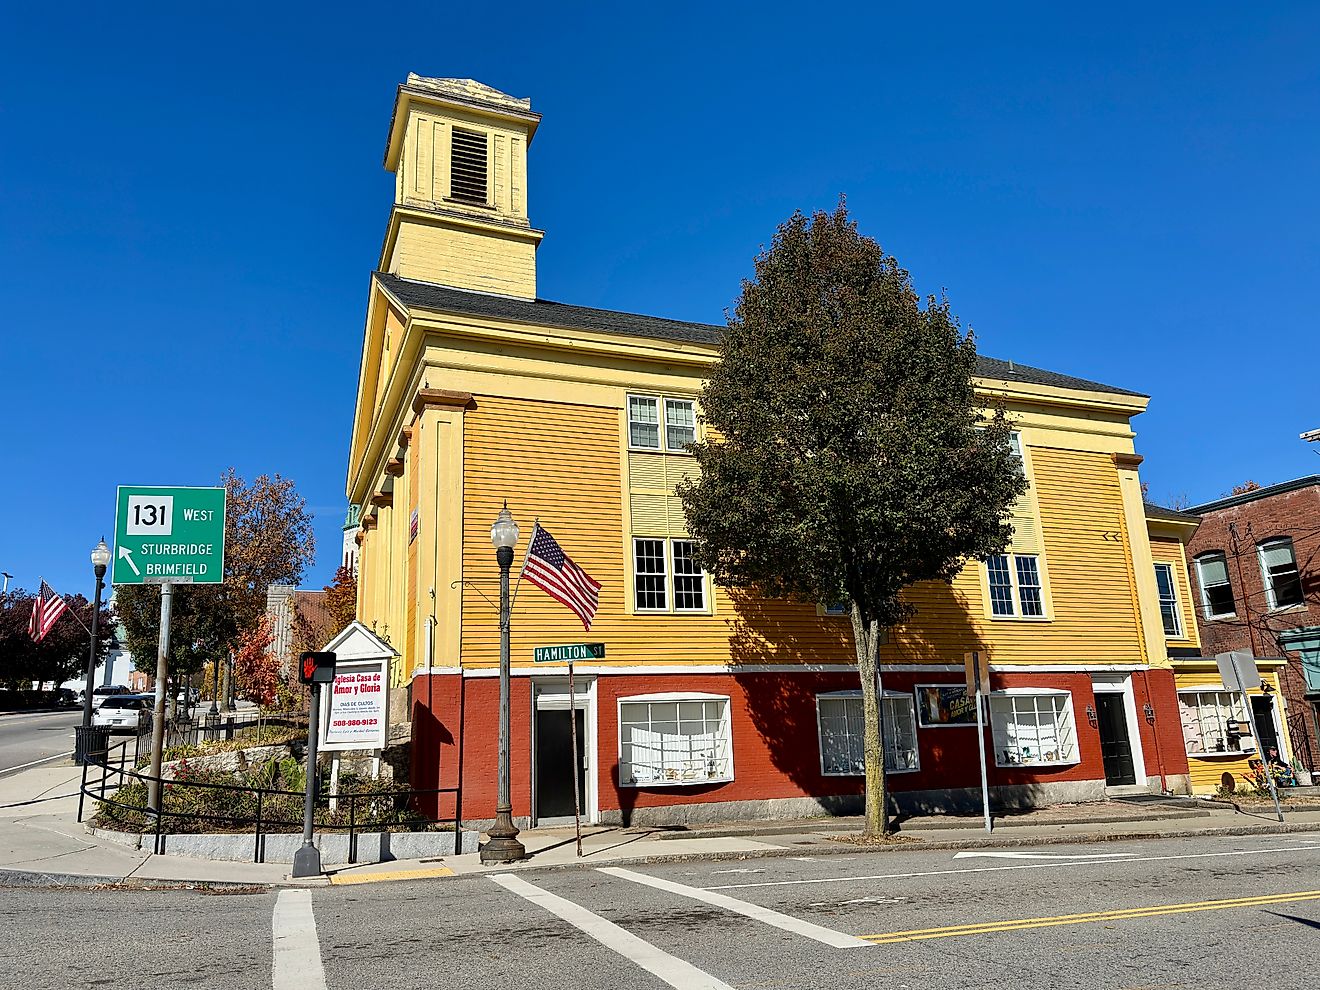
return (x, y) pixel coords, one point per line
(1238, 671)
(558, 654)
(167, 536)
(978, 684)
(314, 669)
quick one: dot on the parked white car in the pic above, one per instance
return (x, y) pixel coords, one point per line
(129, 713)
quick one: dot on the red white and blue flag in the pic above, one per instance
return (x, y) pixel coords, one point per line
(551, 570)
(46, 608)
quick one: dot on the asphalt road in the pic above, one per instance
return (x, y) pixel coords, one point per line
(1191, 913)
(29, 737)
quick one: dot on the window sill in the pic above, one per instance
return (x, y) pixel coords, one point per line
(700, 782)
(1232, 754)
(1299, 607)
(660, 450)
(1020, 618)
(1221, 618)
(1036, 764)
(888, 772)
(643, 612)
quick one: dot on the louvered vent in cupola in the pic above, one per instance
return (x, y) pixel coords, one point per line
(468, 167)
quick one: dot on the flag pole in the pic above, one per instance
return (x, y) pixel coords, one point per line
(536, 524)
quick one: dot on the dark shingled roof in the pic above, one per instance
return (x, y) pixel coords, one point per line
(542, 312)
(1172, 515)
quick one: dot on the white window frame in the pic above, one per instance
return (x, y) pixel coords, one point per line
(1201, 558)
(1235, 714)
(1067, 732)
(1267, 579)
(677, 697)
(1173, 594)
(891, 698)
(661, 405)
(669, 576)
(1016, 589)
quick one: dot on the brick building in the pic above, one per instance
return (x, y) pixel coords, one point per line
(1256, 572)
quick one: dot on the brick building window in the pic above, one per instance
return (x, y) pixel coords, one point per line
(1278, 570)
(841, 728)
(1216, 591)
(1168, 601)
(671, 740)
(1033, 729)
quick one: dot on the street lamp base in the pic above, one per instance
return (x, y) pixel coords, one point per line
(503, 850)
(307, 862)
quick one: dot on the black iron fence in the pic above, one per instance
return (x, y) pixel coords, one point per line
(263, 810)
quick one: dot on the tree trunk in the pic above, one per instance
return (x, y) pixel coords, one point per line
(866, 635)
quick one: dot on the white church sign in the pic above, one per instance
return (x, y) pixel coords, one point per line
(355, 709)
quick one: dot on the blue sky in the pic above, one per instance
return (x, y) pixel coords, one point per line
(191, 203)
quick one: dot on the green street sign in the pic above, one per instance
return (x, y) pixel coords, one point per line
(574, 651)
(169, 536)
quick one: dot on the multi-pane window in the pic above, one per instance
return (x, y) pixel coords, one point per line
(674, 740)
(1212, 721)
(1015, 444)
(1278, 570)
(654, 579)
(689, 581)
(680, 423)
(1015, 588)
(1216, 592)
(1168, 600)
(468, 167)
(843, 734)
(649, 575)
(644, 421)
(1033, 729)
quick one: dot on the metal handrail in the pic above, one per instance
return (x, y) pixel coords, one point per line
(354, 828)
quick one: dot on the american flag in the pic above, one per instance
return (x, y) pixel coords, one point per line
(46, 608)
(551, 570)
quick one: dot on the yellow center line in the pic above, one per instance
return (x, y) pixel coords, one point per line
(379, 875)
(918, 934)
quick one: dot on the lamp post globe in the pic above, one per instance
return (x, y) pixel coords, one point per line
(503, 845)
(100, 557)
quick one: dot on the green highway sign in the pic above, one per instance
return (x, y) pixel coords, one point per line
(574, 651)
(169, 536)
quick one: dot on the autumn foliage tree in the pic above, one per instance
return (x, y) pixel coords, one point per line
(256, 668)
(848, 456)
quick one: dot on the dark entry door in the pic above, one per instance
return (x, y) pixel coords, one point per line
(554, 763)
(1115, 746)
(1263, 709)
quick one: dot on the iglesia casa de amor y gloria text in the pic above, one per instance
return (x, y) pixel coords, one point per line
(710, 705)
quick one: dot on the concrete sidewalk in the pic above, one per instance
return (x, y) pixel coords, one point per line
(42, 842)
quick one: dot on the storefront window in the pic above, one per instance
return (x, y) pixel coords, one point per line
(1033, 729)
(670, 740)
(1213, 721)
(841, 725)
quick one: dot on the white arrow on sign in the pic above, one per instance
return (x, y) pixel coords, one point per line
(1013, 855)
(127, 554)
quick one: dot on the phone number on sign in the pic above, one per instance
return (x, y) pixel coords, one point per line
(350, 722)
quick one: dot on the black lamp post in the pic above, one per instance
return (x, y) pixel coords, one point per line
(503, 845)
(100, 559)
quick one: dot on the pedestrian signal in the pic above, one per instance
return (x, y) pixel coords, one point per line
(316, 668)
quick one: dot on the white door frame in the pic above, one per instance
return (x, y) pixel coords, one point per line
(551, 694)
(1122, 684)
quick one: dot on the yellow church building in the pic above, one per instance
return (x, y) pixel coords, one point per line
(474, 390)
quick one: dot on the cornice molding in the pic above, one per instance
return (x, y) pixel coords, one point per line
(440, 398)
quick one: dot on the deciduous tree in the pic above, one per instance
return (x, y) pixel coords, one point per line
(62, 653)
(847, 454)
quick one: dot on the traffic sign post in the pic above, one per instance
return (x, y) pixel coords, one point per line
(169, 536)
